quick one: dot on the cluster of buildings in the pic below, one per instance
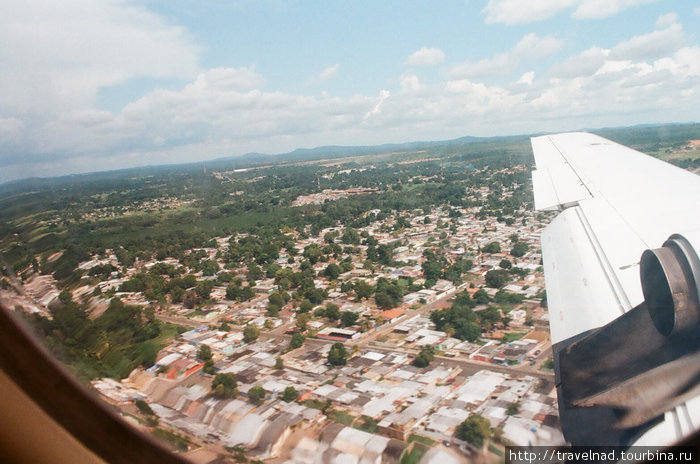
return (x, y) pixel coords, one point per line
(331, 195)
(367, 409)
(378, 397)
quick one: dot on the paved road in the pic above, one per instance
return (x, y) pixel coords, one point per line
(468, 366)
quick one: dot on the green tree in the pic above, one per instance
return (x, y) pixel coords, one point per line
(332, 271)
(144, 407)
(290, 394)
(513, 408)
(497, 278)
(519, 249)
(351, 237)
(257, 395)
(348, 318)
(489, 317)
(204, 353)
(425, 357)
(250, 333)
(475, 430)
(481, 297)
(363, 289)
(301, 321)
(384, 301)
(332, 312)
(493, 247)
(305, 306)
(329, 237)
(190, 299)
(254, 272)
(225, 385)
(65, 296)
(338, 355)
(296, 341)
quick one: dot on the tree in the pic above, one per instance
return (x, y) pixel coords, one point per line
(481, 297)
(493, 247)
(329, 237)
(489, 317)
(305, 306)
(348, 318)
(425, 357)
(290, 394)
(513, 408)
(204, 353)
(497, 278)
(65, 296)
(363, 289)
(332, 271)
(225, 385)
(338, 355)
(296, 341)
(250, 333)
(332, 312)
(505, 264)
(383, 300)
(275, 303)
(209, 368)
(279, 364)
(432, 269)
(459, 317)
(475, 430)
(254, 272)
(519, 249)
(144, 407)
(351, 237)
(257, 395)
(190, 299)
(302, 320)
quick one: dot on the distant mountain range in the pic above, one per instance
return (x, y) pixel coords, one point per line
(642, 137)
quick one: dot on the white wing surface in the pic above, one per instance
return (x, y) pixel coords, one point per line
(615, 203)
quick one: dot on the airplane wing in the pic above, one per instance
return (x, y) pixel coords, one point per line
(623, 278)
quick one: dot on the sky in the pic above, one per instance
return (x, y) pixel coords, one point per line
(92, 85)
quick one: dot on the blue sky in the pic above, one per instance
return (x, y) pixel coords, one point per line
(91, 85)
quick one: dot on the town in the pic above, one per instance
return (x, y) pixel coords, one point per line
(391, 341)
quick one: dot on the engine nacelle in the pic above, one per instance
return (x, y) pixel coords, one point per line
(670, 278)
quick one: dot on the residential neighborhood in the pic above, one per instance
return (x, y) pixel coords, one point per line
(386, 292)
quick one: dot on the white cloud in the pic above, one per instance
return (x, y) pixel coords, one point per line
(666, 20)
(383, 95)
(410, 83)
(43, 70)
(329, 72)
(527, 78)
(520, 12)
(585, 63)
(654, 44)
(684, 63)
(531, 46)
(652, 77)
(426, 56)
(10, 127)
(595, 9)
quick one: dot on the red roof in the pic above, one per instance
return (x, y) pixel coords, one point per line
(392, 313)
